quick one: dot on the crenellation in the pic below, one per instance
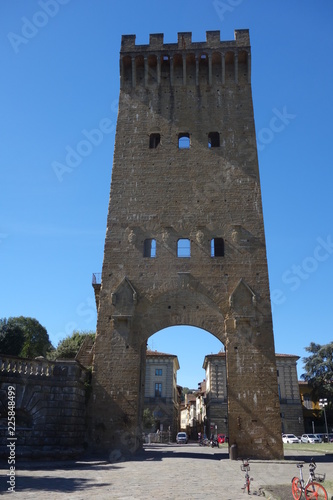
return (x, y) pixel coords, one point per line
(144, 64)
(156, 40)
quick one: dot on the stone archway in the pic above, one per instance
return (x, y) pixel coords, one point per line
(119, 379)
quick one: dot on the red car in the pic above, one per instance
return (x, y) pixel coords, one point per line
(222, 438)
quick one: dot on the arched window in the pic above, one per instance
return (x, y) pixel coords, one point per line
(154, 140)
(217, 247)
(184, 141)
(183, 248)
(149, 248)
(213, 140)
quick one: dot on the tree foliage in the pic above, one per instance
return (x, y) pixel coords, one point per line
(319, 369)
(36, 338)
(185, 390)
(148, 419)
(11, 338)
(70, 345)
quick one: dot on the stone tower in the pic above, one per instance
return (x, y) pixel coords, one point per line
(185, 241)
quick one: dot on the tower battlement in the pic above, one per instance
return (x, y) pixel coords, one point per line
(185, 62)
(213, 40)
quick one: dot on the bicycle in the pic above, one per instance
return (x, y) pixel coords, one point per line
(311, 489)
(204, 442)
(245, 467)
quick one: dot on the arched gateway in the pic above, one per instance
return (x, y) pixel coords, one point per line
(185, 237)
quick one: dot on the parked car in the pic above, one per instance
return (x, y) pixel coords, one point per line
(320, 437)
(290, 438)
(181, 438)
(222, 438)
(325, 438)
(309, 438)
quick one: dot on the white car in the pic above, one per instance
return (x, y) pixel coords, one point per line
(290, 438)
(181, 438)
(309, 438)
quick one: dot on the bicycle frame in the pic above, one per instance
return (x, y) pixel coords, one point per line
(311, 489)
(245, 467)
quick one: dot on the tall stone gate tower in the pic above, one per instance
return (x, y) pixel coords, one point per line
(185, 241)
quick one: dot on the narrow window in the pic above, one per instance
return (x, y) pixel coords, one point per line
(217, 247)
(307, 401)
(149, 248)
(154, 140)
(158, 390)
(183, 248)
(158, 372)
(184, 141)
(213, 140)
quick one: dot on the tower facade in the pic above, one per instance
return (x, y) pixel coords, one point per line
(185, 241)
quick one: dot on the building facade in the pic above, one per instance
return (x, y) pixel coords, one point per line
(161, 391)
(289, 396)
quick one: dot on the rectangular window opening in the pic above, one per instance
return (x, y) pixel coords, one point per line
(217, 247)
(154, 140)
(158, 372)
(213, 140)
(149, 248)
(184, 248)
(158, 390)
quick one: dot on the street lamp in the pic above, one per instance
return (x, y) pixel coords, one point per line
(322, 404)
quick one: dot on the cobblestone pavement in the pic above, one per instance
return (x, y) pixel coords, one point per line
(160, 472)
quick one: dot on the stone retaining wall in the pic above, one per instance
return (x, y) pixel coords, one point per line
(50, 406)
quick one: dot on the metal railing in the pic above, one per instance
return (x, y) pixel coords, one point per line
(97, 278)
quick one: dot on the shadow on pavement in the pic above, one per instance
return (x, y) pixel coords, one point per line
(328, 458)
(153, 454)
(54, 484)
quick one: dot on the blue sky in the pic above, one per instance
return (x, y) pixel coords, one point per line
(60, 80)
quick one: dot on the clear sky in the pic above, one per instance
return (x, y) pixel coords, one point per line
(60, 79)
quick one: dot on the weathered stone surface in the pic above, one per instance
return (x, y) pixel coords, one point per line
(50, 409)
(162, 193)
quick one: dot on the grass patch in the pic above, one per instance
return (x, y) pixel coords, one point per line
(324, 448)
(328, 485)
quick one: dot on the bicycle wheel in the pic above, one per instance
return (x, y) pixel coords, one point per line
(248, 485)
(315, 490)
(296, 488)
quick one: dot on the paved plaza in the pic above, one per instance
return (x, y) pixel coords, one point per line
(159, 472)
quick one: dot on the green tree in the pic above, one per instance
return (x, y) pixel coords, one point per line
(11, 338)
(319, 370)
(70, 345)
(148, 419)
(185, 390)
(36, 338)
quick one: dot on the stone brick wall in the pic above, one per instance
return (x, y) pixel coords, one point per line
(50, 403)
